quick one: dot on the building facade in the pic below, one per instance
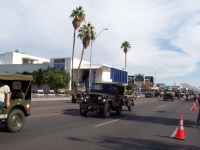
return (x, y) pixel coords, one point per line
(19, 62)
(139, 79)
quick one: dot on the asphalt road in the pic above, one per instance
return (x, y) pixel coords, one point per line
(57, 125)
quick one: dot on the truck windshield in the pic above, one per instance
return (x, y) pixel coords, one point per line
(103, 87)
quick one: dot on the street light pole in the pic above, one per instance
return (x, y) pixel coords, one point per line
(175, 79)
(91, 53)
(155, 75)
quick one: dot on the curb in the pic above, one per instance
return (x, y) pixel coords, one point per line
(50, 98)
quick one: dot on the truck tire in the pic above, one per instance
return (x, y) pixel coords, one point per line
(106, 110)
(15, 120)
(130, 106)
(73, 100)
(83, 112)
(119, 109)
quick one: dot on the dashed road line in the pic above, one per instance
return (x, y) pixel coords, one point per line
(112, 121)
(161, 106)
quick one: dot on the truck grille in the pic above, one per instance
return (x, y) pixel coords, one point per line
(93, 98)
(78, 95)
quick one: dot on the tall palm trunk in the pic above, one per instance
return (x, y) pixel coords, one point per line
(125, 61)
(77, 79)
(72, 85)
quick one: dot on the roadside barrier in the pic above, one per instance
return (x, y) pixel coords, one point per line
(194, 107)
(196, 102)
(180, 131)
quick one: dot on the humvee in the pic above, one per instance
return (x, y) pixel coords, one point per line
(20, 101)
(105, 97)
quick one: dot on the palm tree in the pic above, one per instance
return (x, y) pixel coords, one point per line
(126, 46)
(86, 33)
(78, 16)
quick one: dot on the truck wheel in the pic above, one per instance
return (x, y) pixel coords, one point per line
(119, 109)
(106, 110)
(83, 112)
(15, 120)
(73, 100)
(130, 106)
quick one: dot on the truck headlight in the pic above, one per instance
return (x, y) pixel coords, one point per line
(100, 97)
(87, 96)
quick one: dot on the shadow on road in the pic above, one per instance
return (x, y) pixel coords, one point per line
(133, 117)
(118, 143)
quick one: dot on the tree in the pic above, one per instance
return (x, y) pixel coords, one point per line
(78, 16)
(86, 33)
(56, 78)
(129, 87)
(17, 51)
(147, 86)
(126, 46)
(38, 77)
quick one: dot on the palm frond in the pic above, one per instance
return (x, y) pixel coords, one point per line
(86, 33)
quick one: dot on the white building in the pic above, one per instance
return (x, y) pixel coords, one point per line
(18, 62)
(21, 58)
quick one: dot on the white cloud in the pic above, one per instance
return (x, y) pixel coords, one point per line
(43, 28)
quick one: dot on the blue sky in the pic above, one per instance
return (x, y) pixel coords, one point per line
(163, 34)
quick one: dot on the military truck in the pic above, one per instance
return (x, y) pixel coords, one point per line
(177, 92)
(20, 101)
(157, 94)
(169, 94)
(149, 94)
(105, 97)
(78, 96)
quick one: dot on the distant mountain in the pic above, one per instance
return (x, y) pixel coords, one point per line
(186, 85)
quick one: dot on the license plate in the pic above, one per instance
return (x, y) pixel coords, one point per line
(3, 116)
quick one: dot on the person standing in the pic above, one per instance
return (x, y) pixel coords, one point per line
(4, 95)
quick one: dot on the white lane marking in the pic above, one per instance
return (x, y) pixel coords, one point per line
(173, 134)
(161, 106)
(111, 121)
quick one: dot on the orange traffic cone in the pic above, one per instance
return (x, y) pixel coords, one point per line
(194, 107)
(196, 102)
(180, 132)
